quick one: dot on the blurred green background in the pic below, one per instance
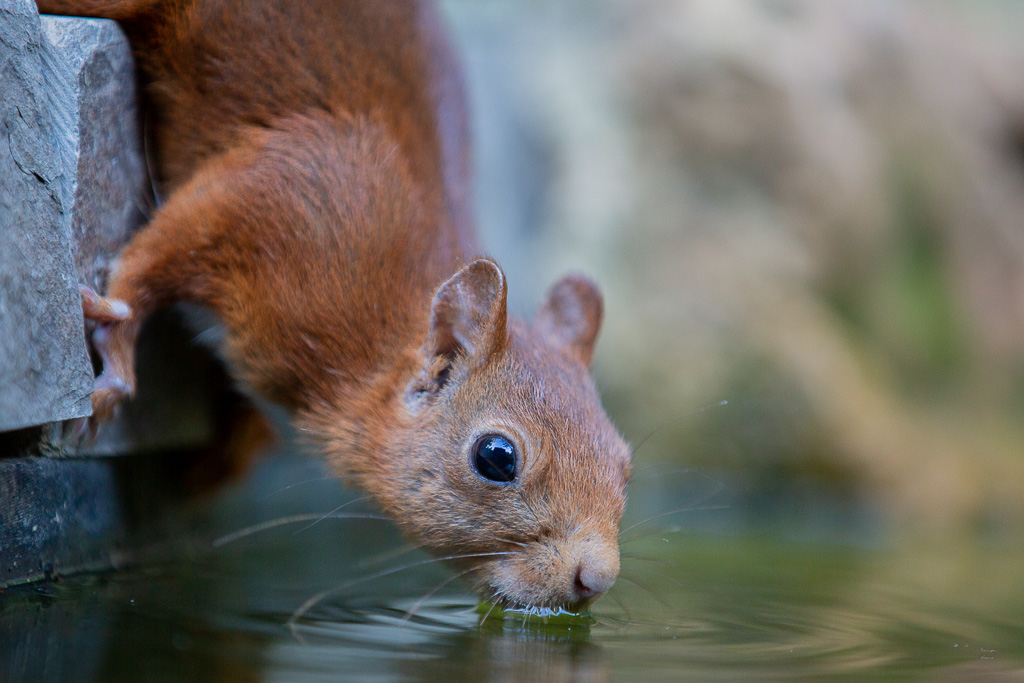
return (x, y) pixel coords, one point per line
(814, 210)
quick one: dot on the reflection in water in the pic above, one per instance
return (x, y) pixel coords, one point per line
(89, 629)
(442, 643)
(726, 607)
(525, 652)
(524, 655)
(34, 636)
(707, 605)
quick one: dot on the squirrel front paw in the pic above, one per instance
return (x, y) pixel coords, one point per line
(101, 309)
(114, 383)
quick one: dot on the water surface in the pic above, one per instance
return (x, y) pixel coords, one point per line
(692, 603)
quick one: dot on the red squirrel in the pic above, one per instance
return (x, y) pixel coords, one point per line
(314, 159)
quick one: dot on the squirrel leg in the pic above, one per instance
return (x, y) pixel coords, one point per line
(170, 259)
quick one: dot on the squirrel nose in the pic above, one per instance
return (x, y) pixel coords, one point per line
(594, 576)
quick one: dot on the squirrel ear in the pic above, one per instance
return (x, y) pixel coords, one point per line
(571, 315)
(468, 314)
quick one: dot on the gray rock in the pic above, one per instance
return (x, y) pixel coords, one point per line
(45, 374)
(74, 188)
(92, 59)
(73, 185)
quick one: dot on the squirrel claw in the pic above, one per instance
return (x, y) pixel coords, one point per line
(79, 428)
(100, 308)
(110, 388)
(108, 392)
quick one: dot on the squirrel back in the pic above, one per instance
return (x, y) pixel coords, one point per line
(316, 164)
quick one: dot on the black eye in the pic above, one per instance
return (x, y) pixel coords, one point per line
(494, 457)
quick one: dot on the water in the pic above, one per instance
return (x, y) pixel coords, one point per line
(690, 604)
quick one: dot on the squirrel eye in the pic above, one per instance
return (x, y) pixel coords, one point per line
(494, 457)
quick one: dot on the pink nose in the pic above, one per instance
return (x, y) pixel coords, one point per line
(593, 578)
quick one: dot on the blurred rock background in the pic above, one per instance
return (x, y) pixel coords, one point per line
(814, 210)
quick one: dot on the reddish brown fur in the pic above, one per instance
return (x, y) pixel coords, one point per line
(315, 159)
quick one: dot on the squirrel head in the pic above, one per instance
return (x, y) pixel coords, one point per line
(504, 454)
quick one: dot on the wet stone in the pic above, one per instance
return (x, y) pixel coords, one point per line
(51, 518)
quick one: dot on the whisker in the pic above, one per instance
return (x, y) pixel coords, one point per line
(291, 519)
(689, 508)
(302, 483)
(322, 595)
(641, 558)
(387, 556)
(145, 211)
(647, 534)
(661, 601)
(664, 563)
(340, 507)
(509, 540)
(692, 506)
(682, 417)
(147, 152)
(640, 476)
(674, 511)
(615, 596)
(419, 603)
(494, 604)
